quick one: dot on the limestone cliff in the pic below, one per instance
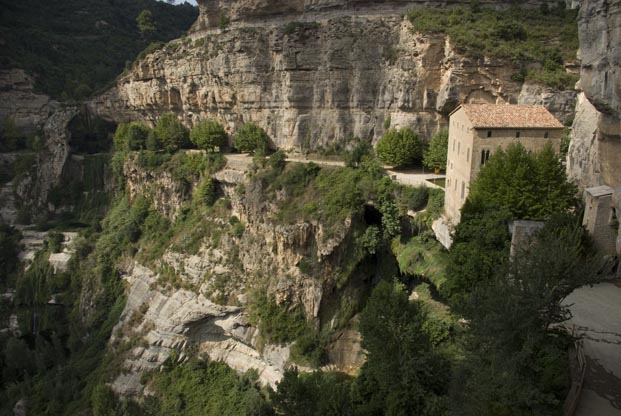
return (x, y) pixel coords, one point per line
(198, 299)
(313, 78)
(595, 152)
(19, 101)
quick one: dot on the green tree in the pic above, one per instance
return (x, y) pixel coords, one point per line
(120, 137)
(136, 136)
(251, 138)
(402, 375)
(400, 148)
(146, 23)
(209, 135)
(206, 192)
(435, 155)
(515, 360)
(530, 186)
(361, 150)
(171, 133)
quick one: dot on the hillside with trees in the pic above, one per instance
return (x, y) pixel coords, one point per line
(74, 48)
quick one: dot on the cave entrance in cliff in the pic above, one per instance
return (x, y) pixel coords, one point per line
(90, 134)
(372, 215)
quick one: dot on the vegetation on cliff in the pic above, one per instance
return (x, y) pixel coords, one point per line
(538, 41)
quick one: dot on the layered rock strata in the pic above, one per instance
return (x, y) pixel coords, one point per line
(314, 80)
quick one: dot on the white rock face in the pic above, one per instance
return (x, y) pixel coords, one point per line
(166, 322)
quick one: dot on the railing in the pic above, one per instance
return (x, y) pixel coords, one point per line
(577, 380)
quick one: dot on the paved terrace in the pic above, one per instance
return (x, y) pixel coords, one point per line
(597, 318)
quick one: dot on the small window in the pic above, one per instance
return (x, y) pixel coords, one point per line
(484, 157)
(546, 135)
(517, 134)
(468, 155)
(489, 133)
(463, 189)
(458, 148)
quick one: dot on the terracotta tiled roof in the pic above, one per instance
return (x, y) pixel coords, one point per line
(510, 116)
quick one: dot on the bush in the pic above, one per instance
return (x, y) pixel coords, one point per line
(206, 192)
(435, 155)
(54, 241)
(209, 135)
(137, 134)
(251, 138)
(277, 161)
(172, 134)
(400, 147)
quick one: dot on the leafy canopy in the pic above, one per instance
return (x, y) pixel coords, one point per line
(529, 185)
(435, 155)
(400, 147)
(251, 138)
(208, 135)
(172, 134)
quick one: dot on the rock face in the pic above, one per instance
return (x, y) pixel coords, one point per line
(309, 78)
(33, 189)
(167, 322)
(19, 102)
(199, 298)
(595, 152)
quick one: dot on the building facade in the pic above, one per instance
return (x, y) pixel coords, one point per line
(476, 131)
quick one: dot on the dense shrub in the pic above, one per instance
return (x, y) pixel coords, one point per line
(400, 147)
(251, 138)
(209, 135)
(137, 134)
(435, 155)
(171, 133)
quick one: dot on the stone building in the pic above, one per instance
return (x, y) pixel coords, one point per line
(477, 130)
(601, 218)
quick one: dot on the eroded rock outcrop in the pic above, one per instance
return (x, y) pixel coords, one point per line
(19, 101)
(595, 152)
(200, 298)
(312, 79)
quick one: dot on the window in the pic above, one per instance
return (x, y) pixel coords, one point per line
(448, 182)
(517, 134)
(463, 189)
(489, 133)
(546, 135)
(458, 148)
(484, 157)
(468, 155)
